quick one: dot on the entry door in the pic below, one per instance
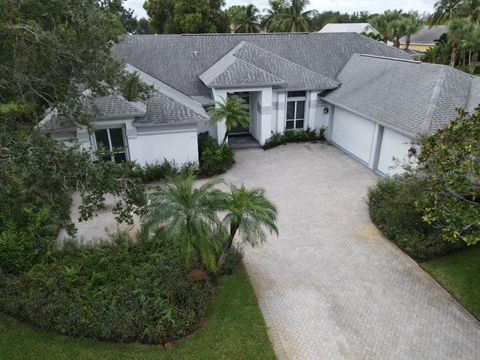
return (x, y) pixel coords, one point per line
(244, 130)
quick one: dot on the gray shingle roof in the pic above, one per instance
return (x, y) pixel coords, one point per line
(410, 97)
(178, 60)
(232, 71)
(427, 35)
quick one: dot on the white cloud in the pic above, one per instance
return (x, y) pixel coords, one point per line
(324, 5)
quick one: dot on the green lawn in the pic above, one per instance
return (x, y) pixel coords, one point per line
(458, 273)
(235, 329)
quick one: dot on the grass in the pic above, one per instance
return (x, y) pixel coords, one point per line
(458, 273)
(235, 329)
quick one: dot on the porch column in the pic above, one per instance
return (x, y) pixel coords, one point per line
(282, 99)
(265, 115)
(220, 96)
(83, 138)
(312, 109)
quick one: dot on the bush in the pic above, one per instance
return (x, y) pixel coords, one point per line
(232, 261)
(215, 158)
(119, 291)
(392, 208)
(294, 136)
(159, 171)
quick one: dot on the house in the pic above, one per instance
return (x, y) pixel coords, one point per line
(372, 98)
(425, 38)
(358, 28)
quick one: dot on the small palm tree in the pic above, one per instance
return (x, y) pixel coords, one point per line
(293, 17)
(189, 215)
(473, 44)
(234, 110)
(251, 214)
(249, 21)
(383, 22)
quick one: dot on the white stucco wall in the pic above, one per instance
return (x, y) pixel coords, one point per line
(174, 143)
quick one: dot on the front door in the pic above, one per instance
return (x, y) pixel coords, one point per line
(246, 130)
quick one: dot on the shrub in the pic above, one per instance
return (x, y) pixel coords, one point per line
(215, 158)
(159, 171)
(294, 136)
(392, 207)
(119, 291)
(232, 261)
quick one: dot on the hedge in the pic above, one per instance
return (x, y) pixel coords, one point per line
(289, 136)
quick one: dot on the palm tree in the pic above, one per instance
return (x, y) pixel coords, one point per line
(383, 22)
(234, 110)
(189, 215)
(458, 30)
(411, 25)
(473, 44)
(251, 214)
(276, 6)
(249, 21)
(445, 10)
(396, 30)
(293, 17)
(471, 10)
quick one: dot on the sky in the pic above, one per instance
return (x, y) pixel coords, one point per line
(348, 6)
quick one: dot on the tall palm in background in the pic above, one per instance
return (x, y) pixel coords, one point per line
(234, 110)
(383, 22)
(249, 21)
(458, 30)
(292, 17)
(470, 9)
(189, 215)
(249, 213)
(276, 6)
(473, 45)
(445, 10)
(411, 25)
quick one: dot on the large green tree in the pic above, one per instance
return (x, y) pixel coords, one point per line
(449, 164)
(445, 10)
(185, 16)
(249, 20)
(291, 16)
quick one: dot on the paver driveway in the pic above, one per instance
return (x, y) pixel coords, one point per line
(331, 287)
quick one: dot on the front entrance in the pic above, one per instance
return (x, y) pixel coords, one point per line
(246, 130)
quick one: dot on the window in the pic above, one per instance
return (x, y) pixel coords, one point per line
(295, 110)
(113, 142)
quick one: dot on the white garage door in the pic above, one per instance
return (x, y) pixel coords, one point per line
(394, 146)
(353, 133)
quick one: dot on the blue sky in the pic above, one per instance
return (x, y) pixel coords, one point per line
(323, 5)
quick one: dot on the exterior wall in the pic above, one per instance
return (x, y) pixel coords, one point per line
(394, 147)
(174, 143)
(418, 47)
(354, 134)
(322, 119)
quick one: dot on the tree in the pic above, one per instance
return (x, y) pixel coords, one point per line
(250, 213)
(445, 10)
(161, 14)
(234, 111)
(276, 6)
(458, 30)
(248, 22)
(449, 163)
(189, 215)
(292, 17)
(382, 22)
(396, 30)
(473, 45)
(411, 25)
(51, 50)
(470, 9)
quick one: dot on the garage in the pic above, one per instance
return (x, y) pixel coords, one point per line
(394, 148)
(353, 134)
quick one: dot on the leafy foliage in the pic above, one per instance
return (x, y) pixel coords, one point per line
(215, 159)
(392, 207)
(294, 136)
(248, 20)
(450, 163)
(120, 291)
(233, 110)
(289, 16)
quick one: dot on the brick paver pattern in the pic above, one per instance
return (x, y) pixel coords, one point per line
(331, 286)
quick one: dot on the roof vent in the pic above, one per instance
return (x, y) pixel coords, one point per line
(195, 52)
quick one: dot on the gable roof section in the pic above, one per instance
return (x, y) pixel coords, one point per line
(230, 71)
(427, 35)
(178, 60)
(408, 96)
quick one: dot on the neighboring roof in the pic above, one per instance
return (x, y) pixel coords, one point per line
(474, 96)
(178, 60)
(249, 65)
(408, 96)
(427, 35)
(349, 28)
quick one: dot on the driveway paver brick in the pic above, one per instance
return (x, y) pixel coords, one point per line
(331, 286)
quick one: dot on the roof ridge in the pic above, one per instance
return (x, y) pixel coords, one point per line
(152, 80)
(427, 120)
(301, 66)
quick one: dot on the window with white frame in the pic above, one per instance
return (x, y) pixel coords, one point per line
(295, 110)
(113, 142)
